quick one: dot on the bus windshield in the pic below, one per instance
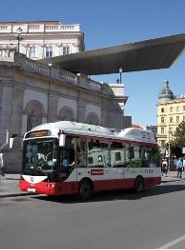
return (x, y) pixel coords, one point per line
(40, 156)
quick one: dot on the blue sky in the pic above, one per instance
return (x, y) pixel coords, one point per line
(113, 22)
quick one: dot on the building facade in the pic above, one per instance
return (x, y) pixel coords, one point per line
(33, 93)
(38, 40)
(170, 113)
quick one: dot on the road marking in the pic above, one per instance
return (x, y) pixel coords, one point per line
(172, 243)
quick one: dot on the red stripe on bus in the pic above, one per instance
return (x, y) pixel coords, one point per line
(59, 188)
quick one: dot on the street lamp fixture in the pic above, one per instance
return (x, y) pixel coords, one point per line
(120, 75)
(19, 38)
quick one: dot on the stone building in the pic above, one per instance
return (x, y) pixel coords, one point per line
(170, 113)
(38, 40)
(58, 86)
(32, 93)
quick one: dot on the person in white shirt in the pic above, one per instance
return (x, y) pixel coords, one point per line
(1, 164)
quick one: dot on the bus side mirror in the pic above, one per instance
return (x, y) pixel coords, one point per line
(11, 139)
(62, 140)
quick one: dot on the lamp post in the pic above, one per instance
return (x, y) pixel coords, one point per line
(169, 150)
(19, 38)
(49, 65)
(120, 75)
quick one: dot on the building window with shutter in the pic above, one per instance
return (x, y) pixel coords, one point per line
(32, 52)
(162, 119)
(49, 51)
(162, 131)
(65, 50)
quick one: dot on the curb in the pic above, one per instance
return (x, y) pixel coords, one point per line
(12, 179)
(13, 195)
(173, 180)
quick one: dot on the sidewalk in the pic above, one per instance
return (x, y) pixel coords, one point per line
(172, 176)
(9, 185)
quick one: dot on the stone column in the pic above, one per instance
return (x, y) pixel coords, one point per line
(17, 109)
(81, 111)
(104, 111)
(6, 110)
(24, 124)
(52, 112)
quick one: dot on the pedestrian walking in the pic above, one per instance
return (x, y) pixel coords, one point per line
(179, 167)
(1, 164)
(183, 164)
(165, 166)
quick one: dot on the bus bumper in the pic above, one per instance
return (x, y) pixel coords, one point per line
(49, 188)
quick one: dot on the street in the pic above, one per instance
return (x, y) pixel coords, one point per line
(120, 219)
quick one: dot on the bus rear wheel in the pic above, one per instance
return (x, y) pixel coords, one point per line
(85, 190)
(139, 184)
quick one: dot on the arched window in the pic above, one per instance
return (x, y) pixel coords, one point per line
(66, 114)
(34, 112)
(92, 118)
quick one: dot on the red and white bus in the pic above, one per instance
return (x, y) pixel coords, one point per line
(75, 158)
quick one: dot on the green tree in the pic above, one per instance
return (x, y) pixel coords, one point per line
(179, 139)
(179, 135)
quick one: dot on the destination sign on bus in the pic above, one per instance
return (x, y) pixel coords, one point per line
(40, 133)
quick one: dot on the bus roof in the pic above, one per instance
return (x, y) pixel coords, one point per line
(130, 134)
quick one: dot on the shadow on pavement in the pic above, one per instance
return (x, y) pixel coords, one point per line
(116, 195)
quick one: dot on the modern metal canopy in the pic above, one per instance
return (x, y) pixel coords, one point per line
(144, 55)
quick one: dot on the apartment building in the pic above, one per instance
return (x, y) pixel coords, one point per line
(170, 113)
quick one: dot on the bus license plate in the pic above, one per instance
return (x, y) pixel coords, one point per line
(31, 190)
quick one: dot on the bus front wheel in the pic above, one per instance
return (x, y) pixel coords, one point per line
(85, 190)
(139, 184)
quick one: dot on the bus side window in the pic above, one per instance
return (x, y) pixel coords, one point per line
(148, 156)
(144, 156)
(131, 152)
(117, 154)
(127, 154)
(134, 153)
(81, 145)
(67, 154)
(105, 154)
(155, 158)
(98, 154)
